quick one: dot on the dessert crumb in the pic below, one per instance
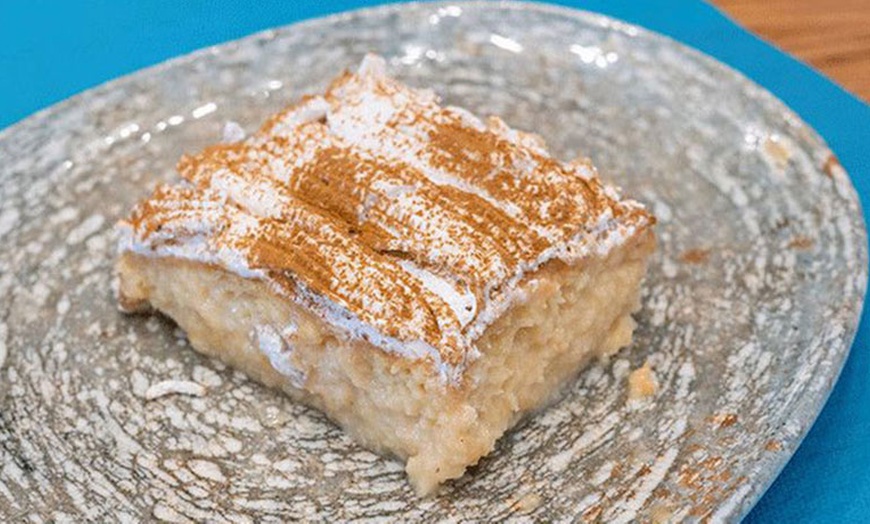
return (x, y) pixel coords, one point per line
(723, 420)
(773, 445)
(801, 242)
(174, 387)
(695, 256)
(527, 503)
(830, 165)
(778, 151)
(642, 383)
(661, 514)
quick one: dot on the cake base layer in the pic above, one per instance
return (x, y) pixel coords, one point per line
(387, 402)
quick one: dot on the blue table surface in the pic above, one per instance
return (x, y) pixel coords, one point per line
(52, 50)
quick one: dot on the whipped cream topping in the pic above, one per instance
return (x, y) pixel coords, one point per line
(398, 221)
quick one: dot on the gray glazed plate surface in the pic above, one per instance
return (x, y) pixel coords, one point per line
(749, 309)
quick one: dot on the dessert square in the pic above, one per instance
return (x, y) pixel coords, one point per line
(424, 277)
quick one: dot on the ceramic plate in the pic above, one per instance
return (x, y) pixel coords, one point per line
(749, 309)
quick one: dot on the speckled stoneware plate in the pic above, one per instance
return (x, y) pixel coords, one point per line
(748, 313)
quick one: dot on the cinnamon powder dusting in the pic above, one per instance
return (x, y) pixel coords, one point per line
(394, 218)
(695, 256)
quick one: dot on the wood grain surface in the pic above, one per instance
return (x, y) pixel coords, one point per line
(832, 36)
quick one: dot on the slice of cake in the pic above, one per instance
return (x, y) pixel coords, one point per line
(423, 277)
